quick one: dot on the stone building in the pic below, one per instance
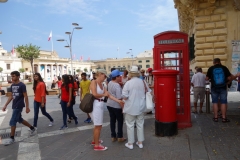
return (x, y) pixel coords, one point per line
(8, 63)
(50, 65)
(213, 25)
(143, 60)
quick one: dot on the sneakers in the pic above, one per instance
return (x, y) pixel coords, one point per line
(10, 141)
(139, 145)
(100, 141)
(130, 146)
(76, 121)
(50, 124)
(88, 120)
(63, 127)
(33, 131)
(100, 148)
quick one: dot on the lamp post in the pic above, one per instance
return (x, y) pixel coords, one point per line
(131, 55)
(69, 45)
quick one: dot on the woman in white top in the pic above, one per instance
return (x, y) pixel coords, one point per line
(135, 105)
(99, 93)
(125, 77)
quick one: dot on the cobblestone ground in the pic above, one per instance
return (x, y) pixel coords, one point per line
(204, 140)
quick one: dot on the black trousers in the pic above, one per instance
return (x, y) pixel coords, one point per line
(116, 115)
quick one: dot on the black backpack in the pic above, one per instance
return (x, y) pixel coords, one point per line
(86, 104)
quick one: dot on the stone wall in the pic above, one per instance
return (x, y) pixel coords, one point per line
(210, 28)
(214, 23)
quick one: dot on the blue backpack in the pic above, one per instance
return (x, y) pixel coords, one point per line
(219, 79)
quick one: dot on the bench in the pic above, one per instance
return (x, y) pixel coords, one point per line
(52, 92)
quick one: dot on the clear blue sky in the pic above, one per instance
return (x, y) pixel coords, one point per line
(107, 25)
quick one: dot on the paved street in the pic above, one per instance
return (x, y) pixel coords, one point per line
(205, 140)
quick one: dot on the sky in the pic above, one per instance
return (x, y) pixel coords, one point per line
(110, 28)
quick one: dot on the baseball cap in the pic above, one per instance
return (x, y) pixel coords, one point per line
(150, 69)
(102, 71)
(115, 73)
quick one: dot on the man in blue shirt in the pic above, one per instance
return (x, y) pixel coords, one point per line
(18, 94)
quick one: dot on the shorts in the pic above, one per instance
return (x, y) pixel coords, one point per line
(199, 93)
(219, 94)
(97, 113)
(16, 117)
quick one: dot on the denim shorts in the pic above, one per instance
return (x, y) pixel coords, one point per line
(219, 94)
(16, 117)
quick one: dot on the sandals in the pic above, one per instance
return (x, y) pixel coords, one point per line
(219, 115)
(225, 120)
(215, 119)
(195, 112)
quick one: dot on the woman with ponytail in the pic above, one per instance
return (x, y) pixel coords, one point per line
(40, 93)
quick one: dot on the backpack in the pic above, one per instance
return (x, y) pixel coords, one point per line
(219, 78)
(86, 104)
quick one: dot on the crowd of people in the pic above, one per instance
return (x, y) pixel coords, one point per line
(220, 79)
(124, 95)
(119, 92)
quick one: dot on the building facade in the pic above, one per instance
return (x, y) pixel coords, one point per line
(143, 60)
(50, 65)
(214, 25)
(8, 63)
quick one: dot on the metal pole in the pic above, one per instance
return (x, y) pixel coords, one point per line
(207, 100)
(70, 46)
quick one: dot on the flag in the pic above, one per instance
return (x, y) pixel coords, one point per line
(89, 58)
(13, 51)
(81, 58)
(50, 36)
(73, 56)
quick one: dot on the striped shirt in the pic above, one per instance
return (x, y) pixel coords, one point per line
(116, 91)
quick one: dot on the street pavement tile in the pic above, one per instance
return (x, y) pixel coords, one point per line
(9, 152)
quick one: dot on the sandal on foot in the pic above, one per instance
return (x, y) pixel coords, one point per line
(195, 112)
(215, 119)
(225, 120)
(220, 115)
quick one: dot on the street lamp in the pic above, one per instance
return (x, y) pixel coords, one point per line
(131, 55)
(69, 45)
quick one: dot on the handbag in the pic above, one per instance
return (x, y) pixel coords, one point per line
(86, 104)
(149, 101)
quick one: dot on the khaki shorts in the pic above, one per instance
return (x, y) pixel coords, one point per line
(199, 93)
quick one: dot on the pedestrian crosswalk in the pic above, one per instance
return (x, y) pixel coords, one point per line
(1, 116)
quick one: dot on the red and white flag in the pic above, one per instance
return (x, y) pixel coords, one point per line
(81, 58)
(13, 51)
(89, 58)
(50, 36)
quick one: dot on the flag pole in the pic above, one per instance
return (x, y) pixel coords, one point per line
(52, 44)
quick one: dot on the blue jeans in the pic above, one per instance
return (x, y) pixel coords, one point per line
(16, 117)
(116, 114)
(219, 93)
(67, 111)
(37, 105)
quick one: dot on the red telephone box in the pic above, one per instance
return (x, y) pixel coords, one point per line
(171, 52)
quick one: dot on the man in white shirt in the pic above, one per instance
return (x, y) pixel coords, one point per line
(198, 83)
